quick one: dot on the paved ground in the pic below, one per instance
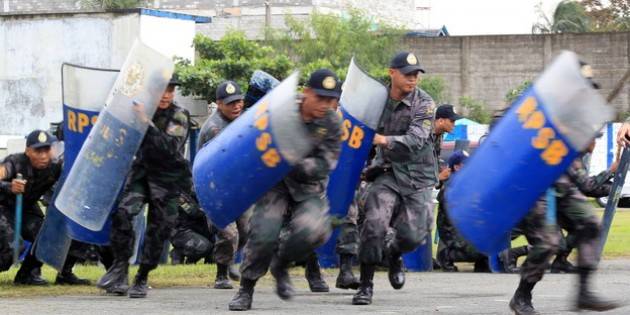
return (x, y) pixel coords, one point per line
(424, 293)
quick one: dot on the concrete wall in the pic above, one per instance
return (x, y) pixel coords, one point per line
(33, 47)
(487, 67)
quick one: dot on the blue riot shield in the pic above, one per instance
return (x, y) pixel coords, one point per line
(525, 153)
(84, 91)
(361, 105)
(103, 162)
(251, 155)
(260, 83)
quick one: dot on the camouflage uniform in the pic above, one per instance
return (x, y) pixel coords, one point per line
(156, 176)
(453, 247)
(191, 236)
(399, 200)
(298, 202)
(39, 182)
(233, 236)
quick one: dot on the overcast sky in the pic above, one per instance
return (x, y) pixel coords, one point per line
(477, 17)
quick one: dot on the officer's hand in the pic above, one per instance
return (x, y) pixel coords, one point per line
(614, 166)
(623, 135)
(17, 186)
(380, 140)
(139, 109)
(445, 174)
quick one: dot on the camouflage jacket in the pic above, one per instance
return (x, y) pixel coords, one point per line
(161, 155)
(310, 177)
(211, 128)
(38, 182)
(576, 183)
(408, 126)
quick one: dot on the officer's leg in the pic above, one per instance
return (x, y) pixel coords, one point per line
(132, 201)
(347, 248)
(411, 224)
(544, 239)
(379, 207)
(162, 216)
(242, 224)
(264, 229)
(561, 264)
(6, 237)
(66, 276)
(578, 218)
(190, 243)
(29, 272)
(224, 250)
(309, 228)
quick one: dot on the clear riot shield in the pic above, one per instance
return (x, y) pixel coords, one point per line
(532, 145)
(251, 155)
(84, 91)
(103, 162)
(362, 101)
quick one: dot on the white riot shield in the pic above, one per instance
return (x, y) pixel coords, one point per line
(101, 167)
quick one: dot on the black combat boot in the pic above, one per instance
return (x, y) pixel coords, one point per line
(346, 279)
(278, 269)
(562, 265)
(242, 301)
(364, 295)
(29, 273)
(233, 273)
(521, 302)
(66, 276)
(222, 282)
(586, 299)
(396, 273)
(139, 288)
(313, 275)
(445, 262)
(115, 281)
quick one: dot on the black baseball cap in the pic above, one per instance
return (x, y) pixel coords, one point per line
(324, 82)
(228, 92)
(174, 80)
(39, 139)
(446, 111)
(406, 62)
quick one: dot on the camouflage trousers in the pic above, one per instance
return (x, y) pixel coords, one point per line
(231, 239)
(306, 223)
(192, 237)
(31, 222)
(543, 238)
(578, 218)
(191, 243)
(393, 222)
(163, 205)
(348, 238)
(574, 215)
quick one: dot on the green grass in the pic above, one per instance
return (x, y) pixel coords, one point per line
(201, 275)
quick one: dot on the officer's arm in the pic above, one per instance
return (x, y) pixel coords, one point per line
(400, 148)
(7, 173)
(173, 138)
(324, 159)
(593, 186)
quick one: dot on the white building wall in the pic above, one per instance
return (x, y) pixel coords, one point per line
(33, 47)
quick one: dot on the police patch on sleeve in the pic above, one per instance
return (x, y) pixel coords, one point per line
(426, 124)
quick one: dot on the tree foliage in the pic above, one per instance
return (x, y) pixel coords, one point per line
(612, 17)
(516, 92)
(326, 40)
(475, 110)
(568, 17)
(110, 4)
(234, 57)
